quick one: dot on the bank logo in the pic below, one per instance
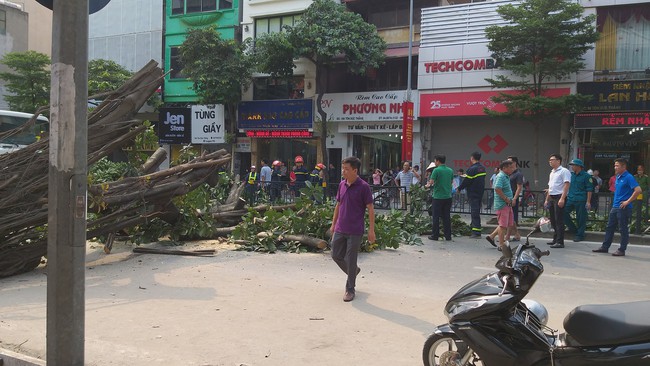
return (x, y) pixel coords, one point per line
(489, 143)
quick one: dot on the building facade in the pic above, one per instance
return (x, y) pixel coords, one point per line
(454, 62)
(180, 17)
(614, 123)
(39, 36)
(289, 137)
(365, 112)
(14, 36)
(128, 32)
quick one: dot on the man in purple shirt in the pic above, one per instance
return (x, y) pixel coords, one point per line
(352, 199)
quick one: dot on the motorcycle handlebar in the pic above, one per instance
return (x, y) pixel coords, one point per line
(543, 254)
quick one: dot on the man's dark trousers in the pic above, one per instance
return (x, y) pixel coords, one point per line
(441, 209)
(556, 214)
(475, 212)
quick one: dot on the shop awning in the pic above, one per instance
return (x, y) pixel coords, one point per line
(401, 52)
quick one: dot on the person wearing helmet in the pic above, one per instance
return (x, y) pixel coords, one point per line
(316, 176)
(252, 182)
(301, 173)
(277, 176)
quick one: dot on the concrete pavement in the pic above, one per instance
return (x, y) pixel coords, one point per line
(241, 308)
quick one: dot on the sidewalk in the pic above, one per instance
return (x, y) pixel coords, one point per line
(597, 236)
(489, 224)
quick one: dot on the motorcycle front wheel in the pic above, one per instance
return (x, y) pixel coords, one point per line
(382, 202)
(448, 350)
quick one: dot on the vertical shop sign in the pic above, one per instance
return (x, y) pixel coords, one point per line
(208, 125)
(174, 126)
(407, 131)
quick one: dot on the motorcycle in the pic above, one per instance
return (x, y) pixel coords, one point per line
(491, 324)
(382, 197)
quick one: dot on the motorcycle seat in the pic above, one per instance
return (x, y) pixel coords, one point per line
(611, 324)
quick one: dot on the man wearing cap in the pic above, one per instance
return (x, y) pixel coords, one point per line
(252, 180)
(578, 199)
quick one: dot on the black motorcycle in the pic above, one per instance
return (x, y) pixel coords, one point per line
(491, 324)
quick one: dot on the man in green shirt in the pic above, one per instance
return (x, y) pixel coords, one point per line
(578, 199)
(440, 180)
(503, 201)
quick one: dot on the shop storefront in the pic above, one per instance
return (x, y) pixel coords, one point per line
(614, 124)
(453, 97)
(278, 130)
(459, 127)
(370, 125)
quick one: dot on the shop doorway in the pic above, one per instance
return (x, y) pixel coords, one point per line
(381, 151)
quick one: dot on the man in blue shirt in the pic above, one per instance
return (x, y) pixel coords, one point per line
(625, 192)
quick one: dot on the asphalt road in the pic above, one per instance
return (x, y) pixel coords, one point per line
(240, 308)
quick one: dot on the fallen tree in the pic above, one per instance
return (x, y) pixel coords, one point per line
(121, 204)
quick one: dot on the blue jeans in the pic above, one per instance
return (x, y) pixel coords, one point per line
(620, 217)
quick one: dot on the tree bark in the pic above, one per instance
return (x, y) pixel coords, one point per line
(154, 161)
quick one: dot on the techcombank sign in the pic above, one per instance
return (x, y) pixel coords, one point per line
(460, 65)
(456, 66)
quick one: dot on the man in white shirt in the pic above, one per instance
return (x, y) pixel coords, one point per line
(558, 187)
(404, 179)
(265, 175)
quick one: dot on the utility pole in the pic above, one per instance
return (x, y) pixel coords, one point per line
(410, 55)
(66, 247)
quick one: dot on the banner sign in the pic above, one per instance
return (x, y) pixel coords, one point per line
(279, 134)
(208, 126)
(291, 114)
(174, 126)
(374, 127)
(631, 95)
(365, 106)
(611, 120)
(407, 132)
(468, 103)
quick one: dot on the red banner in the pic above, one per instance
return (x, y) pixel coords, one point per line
(407, 132)
(468, 103)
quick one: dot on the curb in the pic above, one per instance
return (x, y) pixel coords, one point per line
(10, 358)
(595, 236)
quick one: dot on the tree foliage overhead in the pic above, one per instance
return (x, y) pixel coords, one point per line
(326, 34)
(28, 82)
(105, 76)
(544, 42)
(218, 68)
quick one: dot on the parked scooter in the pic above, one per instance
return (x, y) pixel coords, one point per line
(491, 324)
